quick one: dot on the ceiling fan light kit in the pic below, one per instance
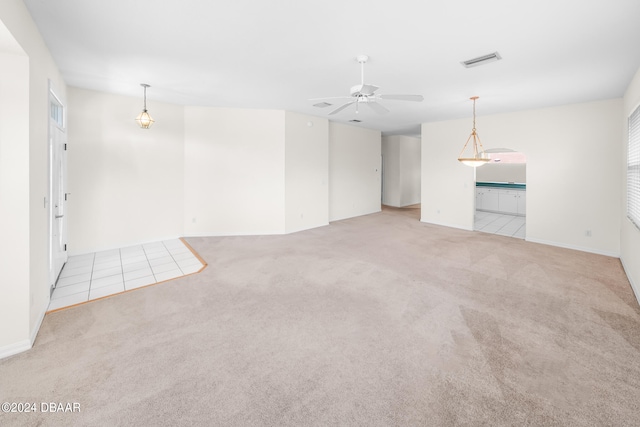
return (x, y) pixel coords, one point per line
(478, 156)
(365, 94)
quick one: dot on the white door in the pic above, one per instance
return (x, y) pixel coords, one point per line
(57, 188)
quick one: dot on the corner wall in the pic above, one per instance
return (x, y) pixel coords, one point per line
(32, 182)
(401, 170)
(573, 172)
(354, 171)
(234, 168)
(391, 171)
(306, 172)
(14, 203)
(629, 234)
(447, 190)
(126, 183)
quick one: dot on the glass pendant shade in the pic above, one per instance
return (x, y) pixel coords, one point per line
(476, 155)
(473, 162)
(144, 119)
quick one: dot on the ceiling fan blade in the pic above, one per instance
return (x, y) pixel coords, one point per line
(329, 97)
(378, 108)
(342, 107)
(368, 89)
(416, 98)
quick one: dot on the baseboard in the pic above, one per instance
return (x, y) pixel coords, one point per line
(402, 205)
(19, 347)
(306, 228)
(15, 348)
(36, 327)
(634, 286)
(501, 213)
(232, 234)
(446, 225)
(577, 248)
(375, 211)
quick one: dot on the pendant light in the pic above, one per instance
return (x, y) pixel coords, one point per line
(144, 119)
(478, 157)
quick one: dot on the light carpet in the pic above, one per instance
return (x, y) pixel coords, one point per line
(372, 321)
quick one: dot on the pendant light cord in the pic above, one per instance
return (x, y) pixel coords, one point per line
(145, 86)
(474, 114)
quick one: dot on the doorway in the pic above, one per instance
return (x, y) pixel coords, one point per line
(57, 187)
(401, 171)
(500, 204)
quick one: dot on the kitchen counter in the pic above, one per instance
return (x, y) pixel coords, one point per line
(511, 185)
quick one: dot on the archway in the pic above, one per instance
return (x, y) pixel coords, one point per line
(500, 203)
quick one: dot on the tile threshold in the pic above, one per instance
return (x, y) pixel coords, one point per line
(500, 224)
(109, 273)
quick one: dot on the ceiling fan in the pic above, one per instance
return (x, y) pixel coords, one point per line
(365, 94)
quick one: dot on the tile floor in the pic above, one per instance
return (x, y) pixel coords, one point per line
(96, 275)
(505, 225)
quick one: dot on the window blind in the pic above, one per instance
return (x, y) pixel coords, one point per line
(633, 169)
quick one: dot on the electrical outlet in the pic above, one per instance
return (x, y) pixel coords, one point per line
(587, 233)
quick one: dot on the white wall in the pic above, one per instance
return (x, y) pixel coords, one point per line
(14, 202)
(573, 172)
(401, 170)
(447, 187)
(30, 185)
(306, 172)
(234, 171)
(502, 172)
(391, 190)
(228, 177)
(410, 170)
(126, 183)
(354, 171)
(629, 234)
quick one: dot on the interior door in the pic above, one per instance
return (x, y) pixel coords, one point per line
(57, 188)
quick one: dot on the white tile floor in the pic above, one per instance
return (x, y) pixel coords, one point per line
(96, 275)
(505, 225)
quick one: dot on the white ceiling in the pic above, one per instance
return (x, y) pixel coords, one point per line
(278, 54)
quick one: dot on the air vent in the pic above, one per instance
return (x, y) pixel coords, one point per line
(322, 104)
(355, 121)
(481, 60)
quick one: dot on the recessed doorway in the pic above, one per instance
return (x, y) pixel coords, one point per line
(501, 191)
(57, 187)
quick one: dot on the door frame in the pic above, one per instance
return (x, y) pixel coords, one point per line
(57, 174)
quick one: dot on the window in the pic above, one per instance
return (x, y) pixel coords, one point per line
(55, 109)
(633, 169)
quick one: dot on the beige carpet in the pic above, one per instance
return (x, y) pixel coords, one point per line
(373, 321)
